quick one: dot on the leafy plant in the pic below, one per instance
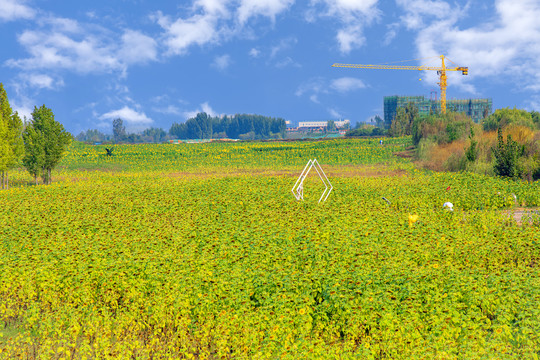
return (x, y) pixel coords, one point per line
(506, 156)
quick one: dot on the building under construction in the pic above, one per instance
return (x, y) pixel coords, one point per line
(477, 109)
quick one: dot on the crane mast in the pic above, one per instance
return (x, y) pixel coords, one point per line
(441, 71)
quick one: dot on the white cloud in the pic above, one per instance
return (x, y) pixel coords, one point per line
(134, 120)
(254, 53)
(222, 62)
(164, 105)
(205, 107)
(288, 61)
(269, 8)
(23, 105)
(169, 110)
(353, 15)
(346, 84)
(211, 22)
(64, 44)
(319, 85)
(137, 48)
(417, 9)
(284, 44)
(534, 103)
(390, 33)
(200, 29)
(350, 37)
(315, 86)
(505, 45)
(212, 6)
(15, 9)
(42, 81)
(334, 113)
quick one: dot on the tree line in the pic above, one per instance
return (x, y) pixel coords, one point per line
(239, 126)
(38, 143)
(202, 126)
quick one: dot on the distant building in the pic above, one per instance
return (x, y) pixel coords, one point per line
(321, 124)
(477, 109)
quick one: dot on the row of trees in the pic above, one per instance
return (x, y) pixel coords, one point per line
(38, 143)
(151, 135)
(239, 126)
(202, 126)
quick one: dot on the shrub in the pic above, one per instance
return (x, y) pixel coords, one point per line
(506, 156)
(502, 118)
(366, 130)
(443, 128)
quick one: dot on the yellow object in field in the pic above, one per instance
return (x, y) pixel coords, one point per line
(412, 219)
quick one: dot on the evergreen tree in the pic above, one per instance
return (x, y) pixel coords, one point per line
(45, 143)
(178, 130)
(506, 156)
(11, 144)
(119, 130)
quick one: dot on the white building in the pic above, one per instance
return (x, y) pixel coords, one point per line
(322, 124)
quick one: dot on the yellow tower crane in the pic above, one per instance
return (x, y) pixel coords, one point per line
(441, 71)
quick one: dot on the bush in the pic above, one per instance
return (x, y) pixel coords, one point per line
(502, 118)
(530, 168)
(442, 128)
(366, 130)
(506, 156)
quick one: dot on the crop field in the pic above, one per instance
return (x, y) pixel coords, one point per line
(200, 251)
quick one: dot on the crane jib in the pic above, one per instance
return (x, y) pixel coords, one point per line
(464, 70)
(441, 72)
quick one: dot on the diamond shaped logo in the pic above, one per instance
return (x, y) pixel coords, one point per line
(298, 188)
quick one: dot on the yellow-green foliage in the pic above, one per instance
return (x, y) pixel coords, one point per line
(505, 117)
(201, 251)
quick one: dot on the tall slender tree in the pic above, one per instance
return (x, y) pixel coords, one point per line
(34, 155)
(119, 130)
(11, 144)
(45, 143)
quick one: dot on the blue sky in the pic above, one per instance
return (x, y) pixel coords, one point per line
(153, 63)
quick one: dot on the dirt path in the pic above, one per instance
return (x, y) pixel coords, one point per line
(523, 214)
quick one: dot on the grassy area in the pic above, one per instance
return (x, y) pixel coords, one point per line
(201, 251)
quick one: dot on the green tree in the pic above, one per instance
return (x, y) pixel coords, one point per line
(403, 122)
(155, 135)
(378, 121)
(535, 115)
(11, 144)
(92, 136)
(501, 118)
(178, 130)
(506, 156)
(46, 140)
(33, 159)
(119, 130)
(399, 125)
(472, 152)
(441, 128)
